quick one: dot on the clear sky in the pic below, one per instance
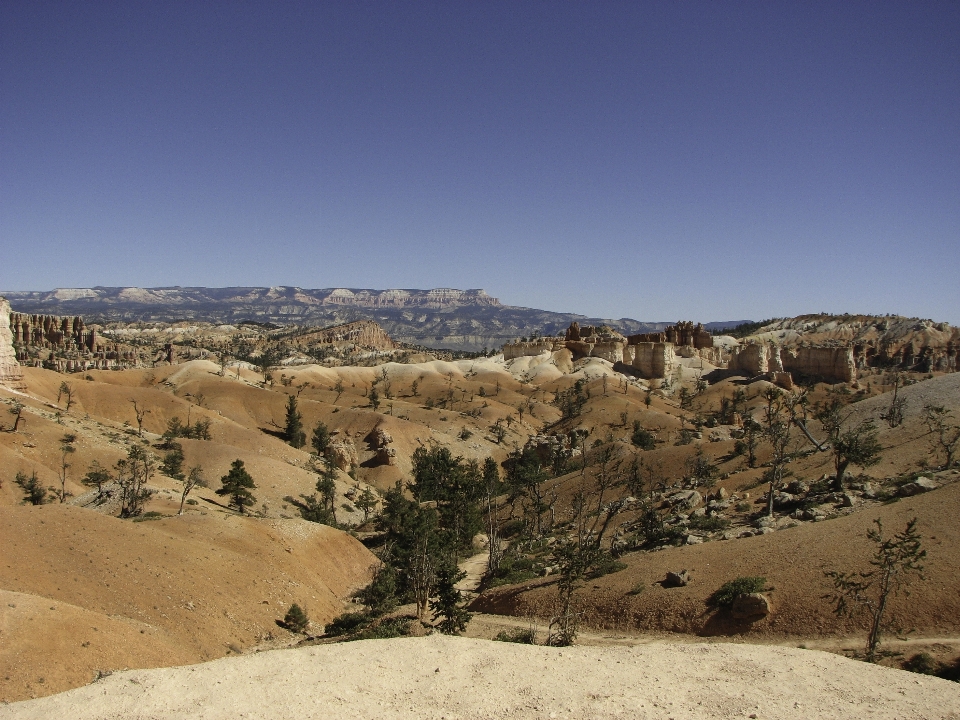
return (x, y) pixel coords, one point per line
(702, 160)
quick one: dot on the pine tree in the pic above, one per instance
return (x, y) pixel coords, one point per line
(320, 440)
(296, 619)
(293, 429)
(447, 606)
(237, 484)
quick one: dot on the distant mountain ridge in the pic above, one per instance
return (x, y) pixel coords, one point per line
(439, 318)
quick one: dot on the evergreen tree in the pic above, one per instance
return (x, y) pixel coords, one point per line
(293, 429)
(456, 486)
(33, 492)
(447, 607)
(320, 439)
(172, 465)
(296, 619)
(237, 484)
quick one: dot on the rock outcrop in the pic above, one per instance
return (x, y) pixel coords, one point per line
(365, 333)
(651, 359)
(653, 355)
(684, 333)
(53, 331)
(877, 341)
(752, 359)
(343, 454)
(831, 363)
(10, 373)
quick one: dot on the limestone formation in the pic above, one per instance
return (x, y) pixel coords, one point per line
(343, 454)
(683, 334)
(752, 359)
(652, 359)
(52, 331)
(830, 363)
(10, 373)
(366, 333)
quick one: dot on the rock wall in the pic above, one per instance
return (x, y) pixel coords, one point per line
(651, 359)
(363, 332)
(531, 349)
(52, 331)
(684, 333)
(830, 363)
(10, 373)
(751, 359)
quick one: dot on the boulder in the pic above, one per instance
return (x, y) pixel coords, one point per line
(343, 455)
(798, 487)
(380, 438)
(920, 485)
(676, 579)
(685, 499)
(750, 607)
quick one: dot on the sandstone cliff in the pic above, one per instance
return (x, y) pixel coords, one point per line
(651, 358)
(366, 333)
(830, 362)
(10, 373)
(876, 341)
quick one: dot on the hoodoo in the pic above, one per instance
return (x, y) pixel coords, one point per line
(10, 373)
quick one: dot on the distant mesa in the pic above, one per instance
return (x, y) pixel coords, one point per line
(438, 297)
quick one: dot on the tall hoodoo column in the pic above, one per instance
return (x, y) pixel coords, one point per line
(10, 373)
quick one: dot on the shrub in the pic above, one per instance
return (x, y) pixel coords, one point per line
(711, 524)
(923, 663)
(643, 439)
(346, 623)
(730, 591)
(512, 570)
(389, 628)
(605, 565)
(524, 637)
(296, 619)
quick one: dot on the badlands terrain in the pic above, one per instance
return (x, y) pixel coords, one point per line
(658, 446)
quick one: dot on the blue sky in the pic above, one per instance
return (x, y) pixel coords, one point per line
(711, 161)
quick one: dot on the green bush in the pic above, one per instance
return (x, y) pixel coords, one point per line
(512, 570)
(730, 591)
(389, 628)
(524, 637)
(923, 663)
(346, 623)
(710, 524)
(605, 565)
(296, 619)
(643, 439)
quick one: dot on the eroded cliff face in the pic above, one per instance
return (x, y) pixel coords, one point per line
(10, 373)
(877, 341)
(364, 332)
(833, 363)
(652, 359)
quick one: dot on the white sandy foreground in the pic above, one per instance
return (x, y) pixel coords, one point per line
(444, 677)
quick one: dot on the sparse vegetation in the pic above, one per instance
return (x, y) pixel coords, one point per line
(895, 562)
(296, 619)
(725, 596)
(237, 485)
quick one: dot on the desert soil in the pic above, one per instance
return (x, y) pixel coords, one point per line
(445, 677)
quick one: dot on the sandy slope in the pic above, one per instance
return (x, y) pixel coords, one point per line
(443, 677)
